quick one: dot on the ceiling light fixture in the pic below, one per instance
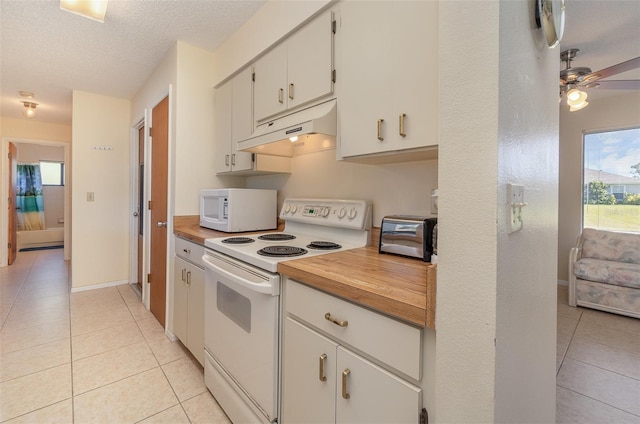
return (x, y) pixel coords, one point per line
(92, 9)
(576, 99)
(29, 110)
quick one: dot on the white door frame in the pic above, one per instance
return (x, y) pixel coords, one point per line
(4, 193)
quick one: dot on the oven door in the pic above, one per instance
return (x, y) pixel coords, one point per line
(241, 328)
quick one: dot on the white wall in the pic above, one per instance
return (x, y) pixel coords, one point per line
(495, 349)
(100, 228)
(394, 189)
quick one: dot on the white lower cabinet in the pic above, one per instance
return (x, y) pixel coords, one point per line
(188, 301)
(325, 381)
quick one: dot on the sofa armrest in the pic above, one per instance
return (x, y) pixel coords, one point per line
(574, 255)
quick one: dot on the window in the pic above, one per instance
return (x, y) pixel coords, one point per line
(52, 173)
(611, 191)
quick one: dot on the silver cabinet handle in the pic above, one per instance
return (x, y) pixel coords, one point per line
(183, 271)
(380, 121)
(345, 374)
(402, 132)
(322, 358)
(291, 91)
(337, 322)
(226, 160)
(161, 224)
(187, 251)
(280, 95)
(188, 277)
(233, 159)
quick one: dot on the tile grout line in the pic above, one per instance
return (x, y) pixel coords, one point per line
(598, 400)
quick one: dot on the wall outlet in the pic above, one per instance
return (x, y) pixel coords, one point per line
(515, 200)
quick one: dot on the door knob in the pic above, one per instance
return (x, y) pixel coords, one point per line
(162, 224)
(136, 214)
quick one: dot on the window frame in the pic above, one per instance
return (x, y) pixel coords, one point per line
(62, 178)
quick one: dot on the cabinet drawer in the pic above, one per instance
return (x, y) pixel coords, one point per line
(190, 251)
(392, 342)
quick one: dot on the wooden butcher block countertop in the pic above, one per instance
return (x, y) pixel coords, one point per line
(400, 287)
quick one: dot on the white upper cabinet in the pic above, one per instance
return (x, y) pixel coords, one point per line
(388, 81)
(233, 109)
(297, 71)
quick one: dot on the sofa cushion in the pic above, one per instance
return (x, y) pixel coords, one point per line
(611, 245)
(610, 272)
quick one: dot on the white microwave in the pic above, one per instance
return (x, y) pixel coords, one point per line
(234, 210)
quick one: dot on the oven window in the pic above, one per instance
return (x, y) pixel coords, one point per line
(235, 306)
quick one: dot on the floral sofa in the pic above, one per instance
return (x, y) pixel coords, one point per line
(604, 272)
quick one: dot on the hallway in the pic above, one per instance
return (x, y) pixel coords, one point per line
(96, 356)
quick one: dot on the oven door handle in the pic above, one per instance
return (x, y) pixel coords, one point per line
(264, 288)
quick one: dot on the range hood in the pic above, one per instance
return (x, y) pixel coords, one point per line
(306, 131)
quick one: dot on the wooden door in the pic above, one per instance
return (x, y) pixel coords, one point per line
(140, 206)
(13, 219)
(158, 206)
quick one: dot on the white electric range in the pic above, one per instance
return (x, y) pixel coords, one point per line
(242, 289)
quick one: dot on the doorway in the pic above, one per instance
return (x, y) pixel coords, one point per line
(62, 217)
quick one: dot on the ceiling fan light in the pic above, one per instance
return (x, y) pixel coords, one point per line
(92, 9)
(573, 108)
(29, 110)
(576, 97)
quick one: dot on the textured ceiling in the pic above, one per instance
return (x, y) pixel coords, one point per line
(51, 52)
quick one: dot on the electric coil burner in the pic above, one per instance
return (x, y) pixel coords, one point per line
(277, 237)
(282, 251)
(323, 245)
(238, 240)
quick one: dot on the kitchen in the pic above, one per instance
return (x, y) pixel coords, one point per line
(467, 306)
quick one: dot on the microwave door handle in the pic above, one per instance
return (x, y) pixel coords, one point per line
(264, 288)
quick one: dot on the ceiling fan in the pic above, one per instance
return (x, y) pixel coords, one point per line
(572, 80)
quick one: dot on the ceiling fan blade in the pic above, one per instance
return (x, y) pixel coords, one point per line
(612, 70)
(617, 85)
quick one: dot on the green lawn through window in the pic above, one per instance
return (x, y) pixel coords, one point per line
(612, 217)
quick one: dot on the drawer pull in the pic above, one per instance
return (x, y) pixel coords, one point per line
(323, 358)
(380, 137)
(183, 271)
(328, 317)
(345, 374)
(402, 132)
(187, 251)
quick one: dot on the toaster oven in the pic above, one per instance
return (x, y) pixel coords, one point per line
(408, 235)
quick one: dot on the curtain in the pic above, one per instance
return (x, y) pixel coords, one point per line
(29, 201)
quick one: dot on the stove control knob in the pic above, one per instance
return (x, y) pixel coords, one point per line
(287, 208)
(294, 209)
(342, 213)
(353, 212)
(325, 212)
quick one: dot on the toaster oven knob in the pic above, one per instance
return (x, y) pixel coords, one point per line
(342, 213)
(353, 212)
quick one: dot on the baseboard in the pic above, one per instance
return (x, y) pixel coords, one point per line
(99, 286)
(563, 283)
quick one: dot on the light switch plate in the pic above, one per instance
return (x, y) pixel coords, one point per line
(90, 196)
(515, 201)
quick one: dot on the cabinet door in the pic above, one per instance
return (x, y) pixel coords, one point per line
(374, 395)
(241, 118)
(195, 319)
(310, 62)
(386, 73)
(306, 397)
(180, 299)
(269, 89)
(222, 127)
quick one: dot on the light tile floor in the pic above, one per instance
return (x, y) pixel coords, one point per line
(598, 362)
(100, 357)
(89, 357)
